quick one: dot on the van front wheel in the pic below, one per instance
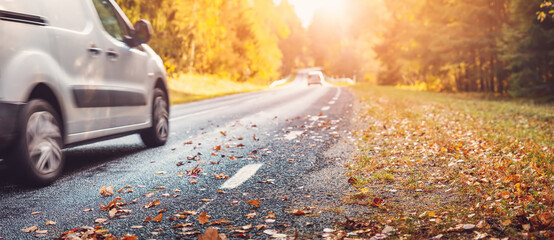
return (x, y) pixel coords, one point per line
(156, 135)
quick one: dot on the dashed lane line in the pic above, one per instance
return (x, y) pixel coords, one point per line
(241, 176)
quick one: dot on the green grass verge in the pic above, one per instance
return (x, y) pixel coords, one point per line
(193, 87)
(444, 160)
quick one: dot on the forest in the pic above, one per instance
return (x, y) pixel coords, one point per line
(503, 47)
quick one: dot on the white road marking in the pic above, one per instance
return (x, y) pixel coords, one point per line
(292, 135)
(241, 176)
(197, 113)
(326, 108)
(337, 95)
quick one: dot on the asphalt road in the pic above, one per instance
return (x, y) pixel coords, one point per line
(280, 147)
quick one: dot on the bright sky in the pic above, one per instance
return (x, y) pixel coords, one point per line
(305, 9)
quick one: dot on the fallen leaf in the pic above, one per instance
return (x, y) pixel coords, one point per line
(160, 172)
(220, 176)
(220, 221)
(203, 218)
(112, 212)
(35, 213)
(254, 203)
(121, 189)
(377, 202)
(48, 223)
(182, 225)
(193, 181)
(158, 218)
(211, 234)
(152, 204)
(100, 220)
(150, 194)
(271, 215)
(189, 212)
(206, 200)
(29, 229)
(106, 191)
(41, 231)
(298, 212)
(188, 142)
(217, 148)
(147, 219)
(88, 210)
(137, 227)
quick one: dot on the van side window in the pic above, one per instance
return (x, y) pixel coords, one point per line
(110, 20)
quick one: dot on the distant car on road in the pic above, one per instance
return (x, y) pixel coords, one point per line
(74, 72)
(315, 77)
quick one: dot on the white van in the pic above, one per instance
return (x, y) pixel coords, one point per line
(74, 72)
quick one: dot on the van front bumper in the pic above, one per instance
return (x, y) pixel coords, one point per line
(9, 113)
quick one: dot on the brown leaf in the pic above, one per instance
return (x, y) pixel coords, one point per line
(147, 219)
(223, 133)
(106, 191)
(217, 148)
(182, 225)
(35, 213)
(152, 203)
(158, 218)
(88, 210)
(50, 223)
(29, 229)
(211, 234)
(203, 218)
(100, 220)
(271, 215)
(187, 143)
(189, 212)
(206, 200)
(112, 212)
(377, 202)
(220, 176)
(254, 203)
(220, 221)
(298, 212)
(41, 231)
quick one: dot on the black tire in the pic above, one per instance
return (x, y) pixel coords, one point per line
(156, 135)
(37, 157)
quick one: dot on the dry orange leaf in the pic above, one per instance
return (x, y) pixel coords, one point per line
(182, 225)
(217, 148)
(189, 212)
(50, 223)
(206, 200)
(271, 215)
(147, 219)
(106, 191)
(35, 213)
(29, 229)
(158, 218)
(211, 234)
(203, 218)
(255, 203)
(220, 221)
(152, 203)
(298, 212)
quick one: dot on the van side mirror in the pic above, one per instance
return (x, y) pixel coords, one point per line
(142, 34)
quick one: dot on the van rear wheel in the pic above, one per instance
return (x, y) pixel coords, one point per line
(37, 155)
(156, 135)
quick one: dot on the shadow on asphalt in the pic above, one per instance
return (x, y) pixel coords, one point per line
(78, 160)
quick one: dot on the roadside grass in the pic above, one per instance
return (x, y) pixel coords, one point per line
(454, 166)
(193, 87)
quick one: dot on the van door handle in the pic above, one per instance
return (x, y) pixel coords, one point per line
(112, 54)
(94, 51)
